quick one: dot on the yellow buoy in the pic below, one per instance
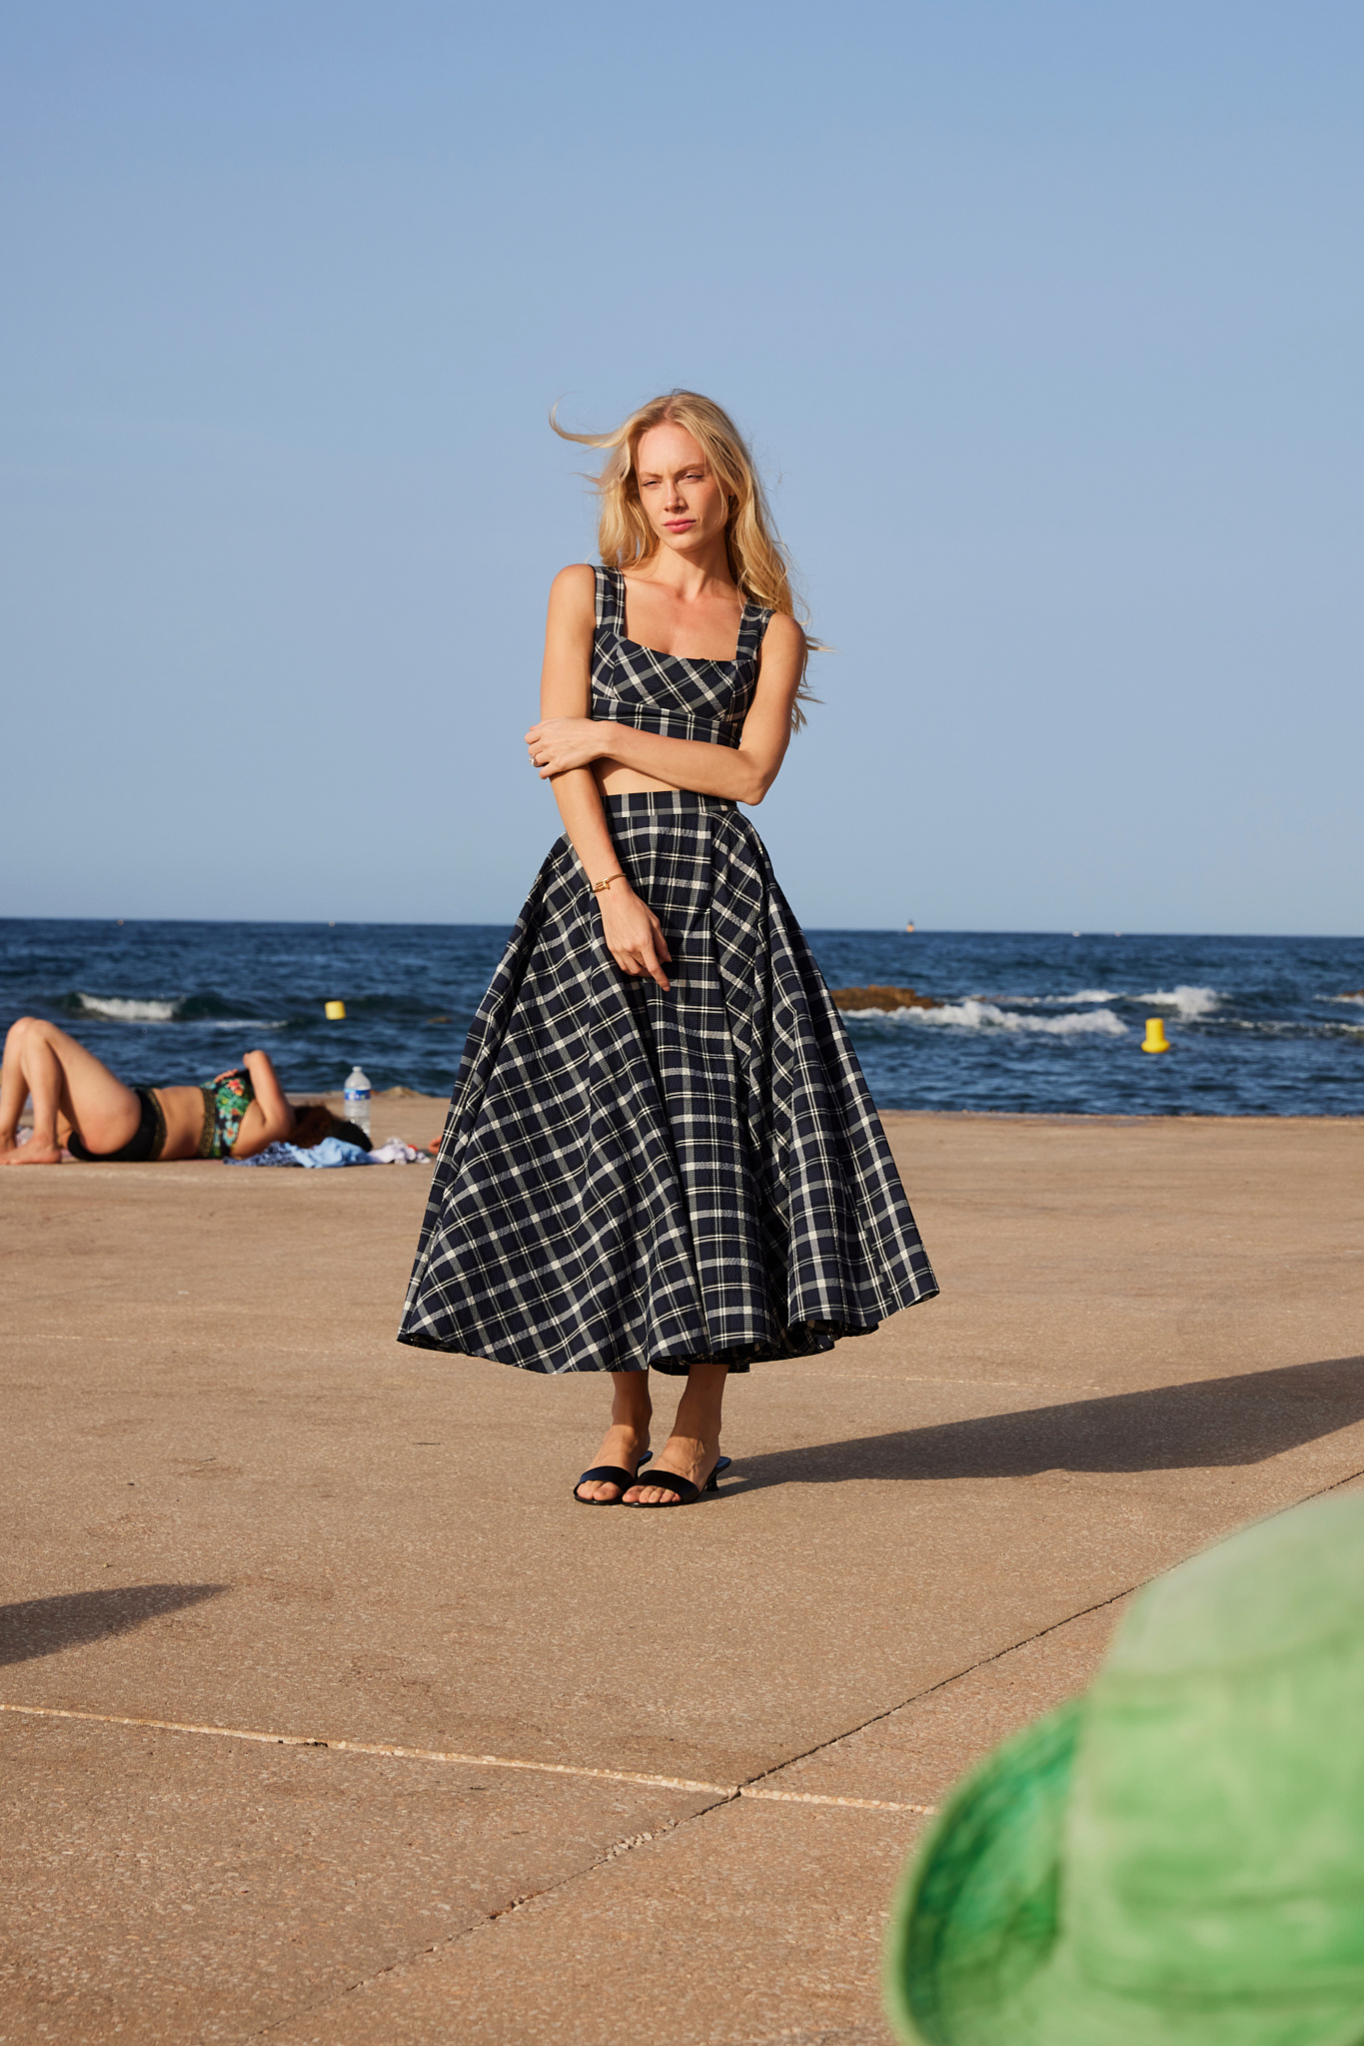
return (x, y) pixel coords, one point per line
(1155, 1039)
(336, 1012)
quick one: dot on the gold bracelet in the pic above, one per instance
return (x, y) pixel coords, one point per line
(597, 886)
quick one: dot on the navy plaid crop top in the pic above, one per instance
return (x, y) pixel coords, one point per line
(665, 693)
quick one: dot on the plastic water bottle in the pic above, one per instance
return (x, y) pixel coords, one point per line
(358, 1098)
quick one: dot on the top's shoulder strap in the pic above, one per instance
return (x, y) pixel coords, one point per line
(753, 625)
(611, 600)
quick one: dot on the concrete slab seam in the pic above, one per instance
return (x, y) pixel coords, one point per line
(823, 1747)
(507, 1910)
(726, 1791)
(1026, 1642)
(865, 1804)
(520, 1903)
(943, 1683)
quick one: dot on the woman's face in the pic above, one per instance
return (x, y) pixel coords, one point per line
(683, 502)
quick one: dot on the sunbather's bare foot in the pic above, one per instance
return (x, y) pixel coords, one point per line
(623, 1445)
(686, 1456)
(31, 1153)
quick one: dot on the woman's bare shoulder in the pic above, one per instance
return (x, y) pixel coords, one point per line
(784, 635)
(574, 589)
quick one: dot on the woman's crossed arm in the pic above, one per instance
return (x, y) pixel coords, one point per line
(567, 740)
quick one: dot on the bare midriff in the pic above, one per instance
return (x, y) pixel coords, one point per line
(183, 1108)
(613, 780)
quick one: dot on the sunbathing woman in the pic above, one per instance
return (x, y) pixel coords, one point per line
(77, 1103)
(661, 1154)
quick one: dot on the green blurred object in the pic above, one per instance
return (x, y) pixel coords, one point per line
(1177, 1857)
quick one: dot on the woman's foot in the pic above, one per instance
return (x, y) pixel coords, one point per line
(34, 1152)
(623, 1444)
(687, 1456)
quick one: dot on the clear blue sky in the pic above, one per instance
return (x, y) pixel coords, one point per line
(1045, 320)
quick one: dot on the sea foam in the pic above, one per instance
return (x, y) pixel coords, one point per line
(1188, 1001)
(121, 1009)
(1084, 994)
(972, 1015)
(118, 1010)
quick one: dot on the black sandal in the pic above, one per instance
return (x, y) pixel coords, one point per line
(610, 1474)
(672, 1481)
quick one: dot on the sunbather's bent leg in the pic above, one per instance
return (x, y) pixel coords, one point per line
(70, 1090)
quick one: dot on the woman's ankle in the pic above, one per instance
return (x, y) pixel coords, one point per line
(699, 1419)
(635, 1417)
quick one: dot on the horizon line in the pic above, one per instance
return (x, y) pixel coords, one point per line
(848, 930)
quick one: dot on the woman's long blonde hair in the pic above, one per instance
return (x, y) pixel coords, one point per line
(758, 561)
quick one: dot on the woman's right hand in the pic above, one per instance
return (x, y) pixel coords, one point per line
(634, 935)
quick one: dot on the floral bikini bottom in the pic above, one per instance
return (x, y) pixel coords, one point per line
(225, 1103)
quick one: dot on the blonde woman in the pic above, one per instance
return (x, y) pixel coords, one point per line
(661, 1153)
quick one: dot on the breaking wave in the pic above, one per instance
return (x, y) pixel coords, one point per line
(1084, 994)
(971, 1015)
(118, 1010)
(1187, 1001)
(195, 1009)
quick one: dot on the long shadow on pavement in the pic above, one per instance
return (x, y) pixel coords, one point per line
(44, 1626)
(1170, 1427)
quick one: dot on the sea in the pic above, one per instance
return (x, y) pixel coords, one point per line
(1030, 1023)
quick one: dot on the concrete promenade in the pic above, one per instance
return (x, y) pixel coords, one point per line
(331, 1720)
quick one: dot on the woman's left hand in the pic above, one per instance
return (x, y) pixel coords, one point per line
(557, 744)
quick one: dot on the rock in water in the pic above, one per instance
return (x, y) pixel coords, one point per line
(882, 998)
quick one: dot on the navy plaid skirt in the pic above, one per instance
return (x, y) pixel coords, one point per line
(630, 1178)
